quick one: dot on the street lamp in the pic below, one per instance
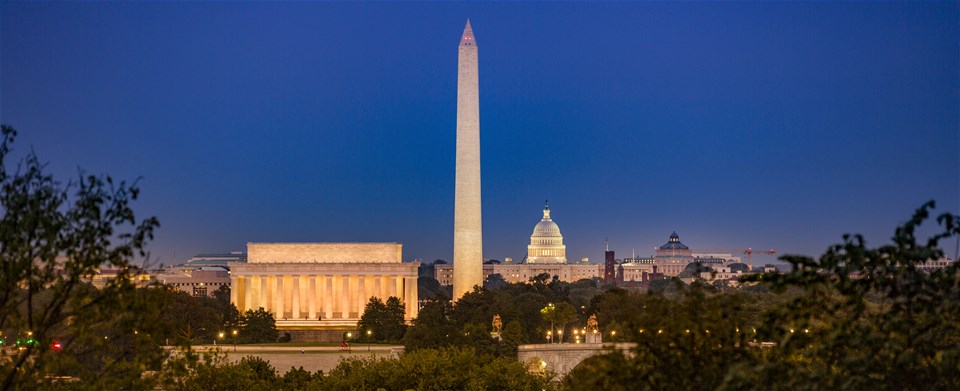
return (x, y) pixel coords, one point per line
(234, 340)
(220, 336)
(369, 333)
(550, 336)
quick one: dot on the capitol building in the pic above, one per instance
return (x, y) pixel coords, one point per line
(546, 253)
(546, 243)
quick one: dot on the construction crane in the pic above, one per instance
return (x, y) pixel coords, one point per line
(748, 251)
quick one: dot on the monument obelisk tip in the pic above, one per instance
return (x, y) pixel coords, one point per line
(467, 39)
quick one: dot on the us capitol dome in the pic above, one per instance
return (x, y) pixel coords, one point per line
(546, 243)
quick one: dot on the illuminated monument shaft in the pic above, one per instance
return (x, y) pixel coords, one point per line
(467, 239)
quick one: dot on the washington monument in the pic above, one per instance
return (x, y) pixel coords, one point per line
(467, 235)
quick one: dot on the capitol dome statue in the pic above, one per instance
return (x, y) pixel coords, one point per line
(546, 243)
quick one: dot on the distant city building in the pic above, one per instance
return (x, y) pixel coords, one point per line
(721, 273)
(672, 257)
(609, 267)
(197, 282)
(220, 259)
(138, 276)
(935, 264)
(313, 286)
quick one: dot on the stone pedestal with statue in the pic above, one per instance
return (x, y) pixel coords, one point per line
(593, 334)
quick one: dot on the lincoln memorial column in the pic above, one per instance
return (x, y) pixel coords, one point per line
(278, 298)
(369, 291)
(295, 300)
(378, 288)
(361, 293)
(415, 291)
(234, 287)
(312, 297)
(345, 298)
(247, 296)
(410, 297)
(263, 294)
(327, 297)
(399, 283)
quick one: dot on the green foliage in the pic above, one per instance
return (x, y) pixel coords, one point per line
(433, 369)
(857, 318)
(54, 237)
(258, 326)
(299, 379)
(870, 318)
(382, 322)
(212, 371)
(428, 288)
(432, 328)
(468, 323)
(190, 320)
(559, 314)
(494, 281)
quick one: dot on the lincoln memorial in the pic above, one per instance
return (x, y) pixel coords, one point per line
(321, 286)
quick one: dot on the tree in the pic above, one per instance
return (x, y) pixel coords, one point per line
(433, 369)
(212, 371)
(560, 314)
(856, 318)
(192, 320)
(865, 318)
(432, 328)
(299, 379)
(542, 279)
(494, 281)
(382, 322)
(54, 237)
(222, 294)
(428, 288)
(258, 327)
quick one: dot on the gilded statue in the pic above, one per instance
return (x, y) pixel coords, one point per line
(592, 325)
(497, 324)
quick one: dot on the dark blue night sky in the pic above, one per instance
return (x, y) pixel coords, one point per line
(737, 124)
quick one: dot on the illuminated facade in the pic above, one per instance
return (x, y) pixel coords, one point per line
(317, 285)
(546, 242)
(196, 282)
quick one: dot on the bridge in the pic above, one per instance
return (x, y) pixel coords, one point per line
(561, 358)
